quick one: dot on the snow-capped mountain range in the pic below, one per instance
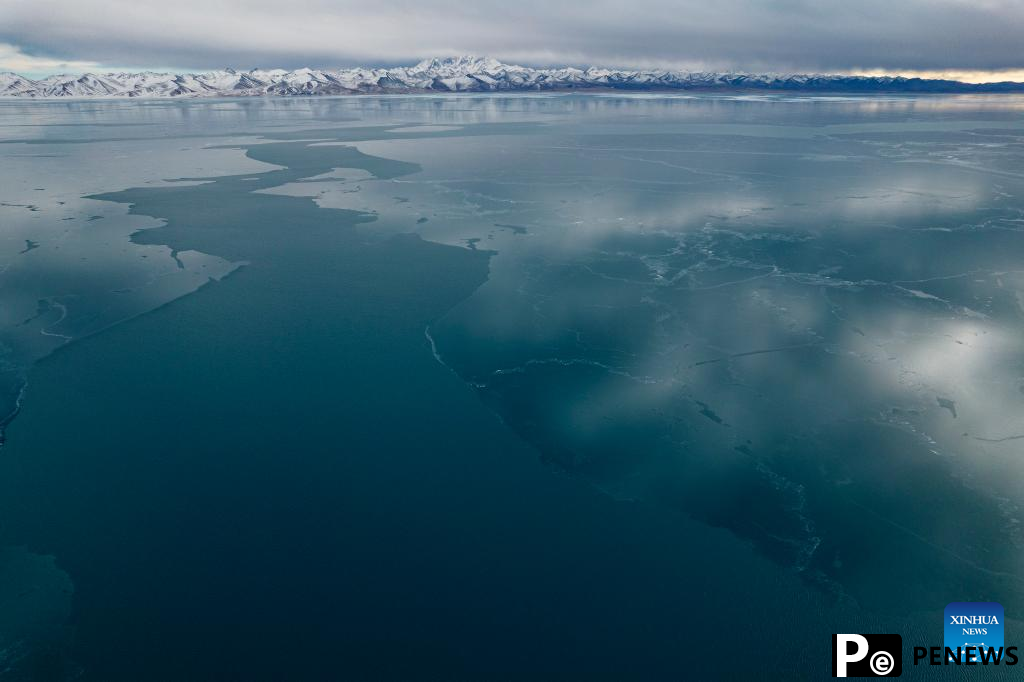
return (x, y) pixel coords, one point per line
(457, 74)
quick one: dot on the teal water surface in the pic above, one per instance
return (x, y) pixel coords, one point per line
(505, 387)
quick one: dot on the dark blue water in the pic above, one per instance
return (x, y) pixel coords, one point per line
(505, 387)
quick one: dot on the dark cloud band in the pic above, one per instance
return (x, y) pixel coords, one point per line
(799, 35)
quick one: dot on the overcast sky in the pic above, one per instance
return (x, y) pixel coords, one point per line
(47, 36)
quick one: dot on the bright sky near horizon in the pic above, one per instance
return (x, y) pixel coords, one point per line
(973, 40)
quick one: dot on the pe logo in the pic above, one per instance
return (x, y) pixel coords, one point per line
(974, 627)
(867, 655)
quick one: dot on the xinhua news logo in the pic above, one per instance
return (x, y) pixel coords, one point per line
(976, 628)
(867, 655)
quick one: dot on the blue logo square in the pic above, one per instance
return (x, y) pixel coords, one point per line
(976, 624)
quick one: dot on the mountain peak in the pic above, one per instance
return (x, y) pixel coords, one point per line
(466, 63)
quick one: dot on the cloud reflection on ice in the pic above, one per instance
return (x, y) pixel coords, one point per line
(810, 335)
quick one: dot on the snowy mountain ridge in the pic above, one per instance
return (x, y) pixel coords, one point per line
(455, 74)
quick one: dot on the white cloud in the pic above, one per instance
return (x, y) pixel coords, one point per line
(13, 59)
